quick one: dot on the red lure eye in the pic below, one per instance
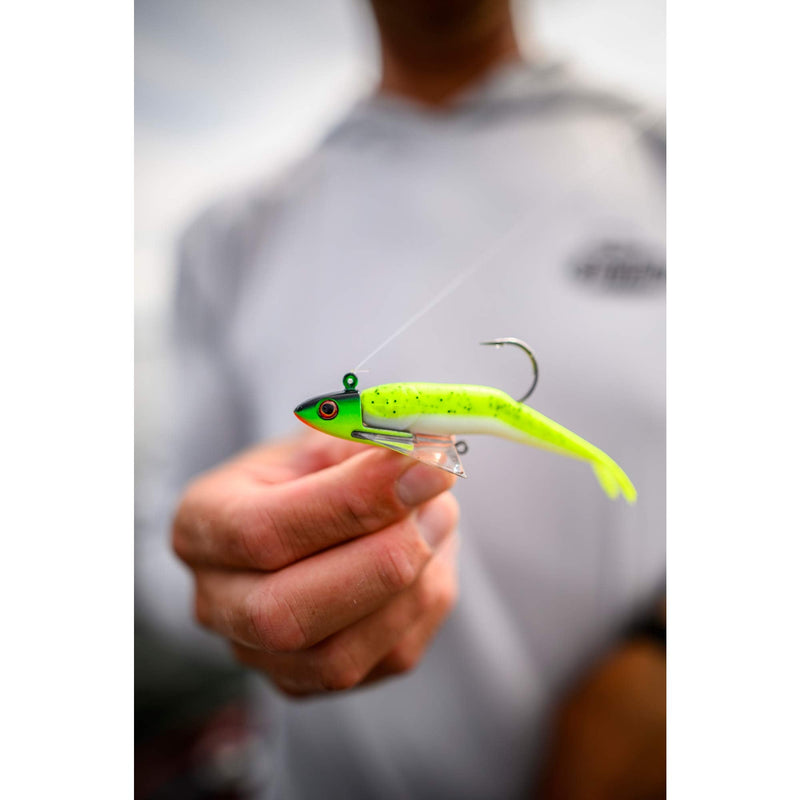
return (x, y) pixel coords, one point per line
(328, 409)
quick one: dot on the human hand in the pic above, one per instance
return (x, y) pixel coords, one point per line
(326, 564)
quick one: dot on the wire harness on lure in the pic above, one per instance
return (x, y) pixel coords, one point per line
(422, 420)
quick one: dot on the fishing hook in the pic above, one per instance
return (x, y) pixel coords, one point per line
(522, 346)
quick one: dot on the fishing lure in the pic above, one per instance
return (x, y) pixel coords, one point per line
(422, 419)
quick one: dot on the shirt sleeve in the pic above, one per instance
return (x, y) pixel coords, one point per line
(201, 423)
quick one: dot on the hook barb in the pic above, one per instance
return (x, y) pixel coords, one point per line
(522, 346)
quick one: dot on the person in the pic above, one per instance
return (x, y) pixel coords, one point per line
(449, 641)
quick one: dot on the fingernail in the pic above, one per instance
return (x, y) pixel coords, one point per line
(434, 522)
(421, 483)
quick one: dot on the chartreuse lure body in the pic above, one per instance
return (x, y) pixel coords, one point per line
(422, 420)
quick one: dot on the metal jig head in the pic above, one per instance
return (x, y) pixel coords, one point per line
(522, 346)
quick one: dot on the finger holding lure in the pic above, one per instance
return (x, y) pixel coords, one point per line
(422, 419)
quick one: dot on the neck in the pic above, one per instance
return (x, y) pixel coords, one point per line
(434, 72)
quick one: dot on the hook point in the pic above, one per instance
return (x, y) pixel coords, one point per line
(522, 346)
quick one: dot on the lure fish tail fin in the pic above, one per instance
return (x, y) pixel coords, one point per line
(613, 480)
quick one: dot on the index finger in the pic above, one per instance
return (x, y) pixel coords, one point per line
(267, 527)
(295, 456)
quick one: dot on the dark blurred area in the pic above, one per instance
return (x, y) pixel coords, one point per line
(193, 736)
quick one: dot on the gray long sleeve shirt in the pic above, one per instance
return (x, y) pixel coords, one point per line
(284, 288)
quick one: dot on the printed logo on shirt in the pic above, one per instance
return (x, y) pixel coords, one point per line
(620, 266)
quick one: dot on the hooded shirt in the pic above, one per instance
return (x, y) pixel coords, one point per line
(533, 207)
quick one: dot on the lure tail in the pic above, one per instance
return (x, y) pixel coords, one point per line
(614, 480)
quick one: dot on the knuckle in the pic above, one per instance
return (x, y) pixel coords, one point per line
(191, 525)
(202, 612)
(404, 659)
(436, 595)
(397, 564)
(273, 623)
(447, 592)
(445, 602)
(244, 655)
(449, 597)
(338, 671)
(354, 510)
(364, 509)
(178, 542)
(371, 500)
(259, 537)
(450, 504)
(428, 593)
(180, 528)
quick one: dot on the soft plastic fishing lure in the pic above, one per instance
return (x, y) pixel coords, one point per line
(422, 419)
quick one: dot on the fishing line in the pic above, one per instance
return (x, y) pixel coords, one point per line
(449, 288)
(488, 255)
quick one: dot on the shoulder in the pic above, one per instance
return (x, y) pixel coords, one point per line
(556, 90)
(235, 222)
(219, 246)
(574, 92)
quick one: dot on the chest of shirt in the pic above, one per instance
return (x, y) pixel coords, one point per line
(569, 259)
(560, 256)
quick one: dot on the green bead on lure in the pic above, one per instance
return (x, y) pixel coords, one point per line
(422, 419)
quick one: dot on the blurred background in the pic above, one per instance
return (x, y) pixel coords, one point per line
(227, 92)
